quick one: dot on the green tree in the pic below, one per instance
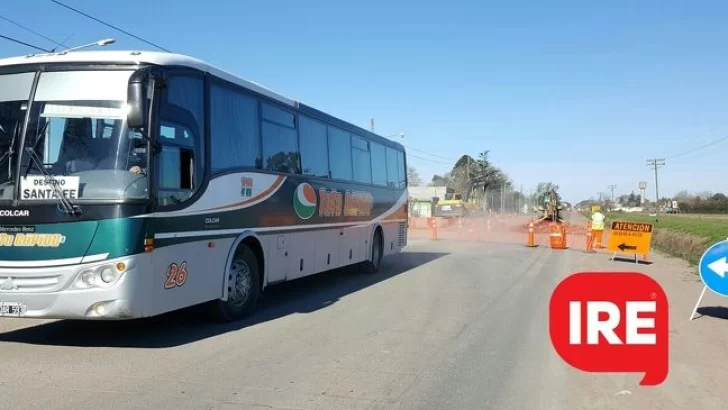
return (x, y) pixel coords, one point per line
(441, 180)
(633, 199)
(544, 187)
(471, 175)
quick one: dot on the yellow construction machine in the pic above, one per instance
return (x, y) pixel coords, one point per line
(454, 205)
(549, 207)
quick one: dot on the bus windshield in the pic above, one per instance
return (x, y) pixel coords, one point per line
(14, 93)
(77, 132)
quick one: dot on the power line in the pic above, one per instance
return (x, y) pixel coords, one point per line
(427, 153)
(31, 31)
(111, 26)
(699, 148)
(430, 160)
(14, 40)
(451, 161)
(63, 41)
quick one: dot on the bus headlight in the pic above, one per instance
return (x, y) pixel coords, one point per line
(87, 277)
(101, 276)
(108, 275)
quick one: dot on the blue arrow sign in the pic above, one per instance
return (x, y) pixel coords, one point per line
(713, 268)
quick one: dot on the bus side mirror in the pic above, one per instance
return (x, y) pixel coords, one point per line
(137, 102)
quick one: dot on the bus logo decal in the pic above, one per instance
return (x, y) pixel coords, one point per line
(246, 187)
(8, 284)
(304, 201)
(331, 203)
(43, 240)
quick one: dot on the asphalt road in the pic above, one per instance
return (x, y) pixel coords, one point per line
(446, 325)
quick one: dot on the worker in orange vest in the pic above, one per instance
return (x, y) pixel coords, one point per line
(597, 223)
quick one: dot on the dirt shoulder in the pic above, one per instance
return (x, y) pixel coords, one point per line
(698, 348)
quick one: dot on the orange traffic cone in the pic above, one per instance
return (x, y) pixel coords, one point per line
(556, 237)
(531, 235)
(589, 240)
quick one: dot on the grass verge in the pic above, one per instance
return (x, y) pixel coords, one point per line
(680, 236)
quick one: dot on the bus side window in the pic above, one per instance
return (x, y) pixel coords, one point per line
(176, 166)
(392, 168)
(401, 171)
(180, 163)
(280, 140)
(379, 164)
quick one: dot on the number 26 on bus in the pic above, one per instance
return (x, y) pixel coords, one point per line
(176, 275)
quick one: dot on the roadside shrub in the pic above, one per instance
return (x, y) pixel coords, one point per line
(680, 244)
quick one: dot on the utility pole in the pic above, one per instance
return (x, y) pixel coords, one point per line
(520, 198)
(612, 187)
(655, 163)
(371, 124)
(503, 198)
(467, 175)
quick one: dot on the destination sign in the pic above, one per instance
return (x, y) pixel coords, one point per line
(38, 187)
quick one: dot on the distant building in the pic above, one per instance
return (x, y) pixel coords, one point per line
(420, 198)
(426, 192)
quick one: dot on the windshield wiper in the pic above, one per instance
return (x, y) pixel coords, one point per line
(68, 206)
(38, 138)
(11, 149)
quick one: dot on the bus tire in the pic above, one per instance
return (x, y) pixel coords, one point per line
(373, 265)
(243, 281)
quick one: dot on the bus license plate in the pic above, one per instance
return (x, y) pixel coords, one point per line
(12, 309)
(446, 208)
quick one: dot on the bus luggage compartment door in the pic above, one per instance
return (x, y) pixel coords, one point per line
(277, 258)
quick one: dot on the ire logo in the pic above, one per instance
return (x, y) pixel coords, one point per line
(611, 322)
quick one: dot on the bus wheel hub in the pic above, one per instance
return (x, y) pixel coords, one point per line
(239, 282)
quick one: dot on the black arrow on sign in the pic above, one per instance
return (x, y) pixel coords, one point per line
(624, 247)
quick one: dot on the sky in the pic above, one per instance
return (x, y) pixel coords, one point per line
(577, 93)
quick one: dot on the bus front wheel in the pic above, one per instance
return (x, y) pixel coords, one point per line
(243, 283)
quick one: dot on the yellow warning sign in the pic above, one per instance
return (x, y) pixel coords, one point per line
(630, 237)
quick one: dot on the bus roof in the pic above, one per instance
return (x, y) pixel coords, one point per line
(141, 57)
(164, 58)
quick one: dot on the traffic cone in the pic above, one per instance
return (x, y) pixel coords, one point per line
(531, 235)
(589, 240)
(556, 237)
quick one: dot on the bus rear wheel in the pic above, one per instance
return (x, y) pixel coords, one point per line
(372, 266)
(243, 282)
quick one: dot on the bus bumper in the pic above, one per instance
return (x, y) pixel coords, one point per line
(108, 290)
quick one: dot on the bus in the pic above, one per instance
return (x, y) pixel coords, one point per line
(138, 183)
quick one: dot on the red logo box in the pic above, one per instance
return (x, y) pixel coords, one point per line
(611, 322)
